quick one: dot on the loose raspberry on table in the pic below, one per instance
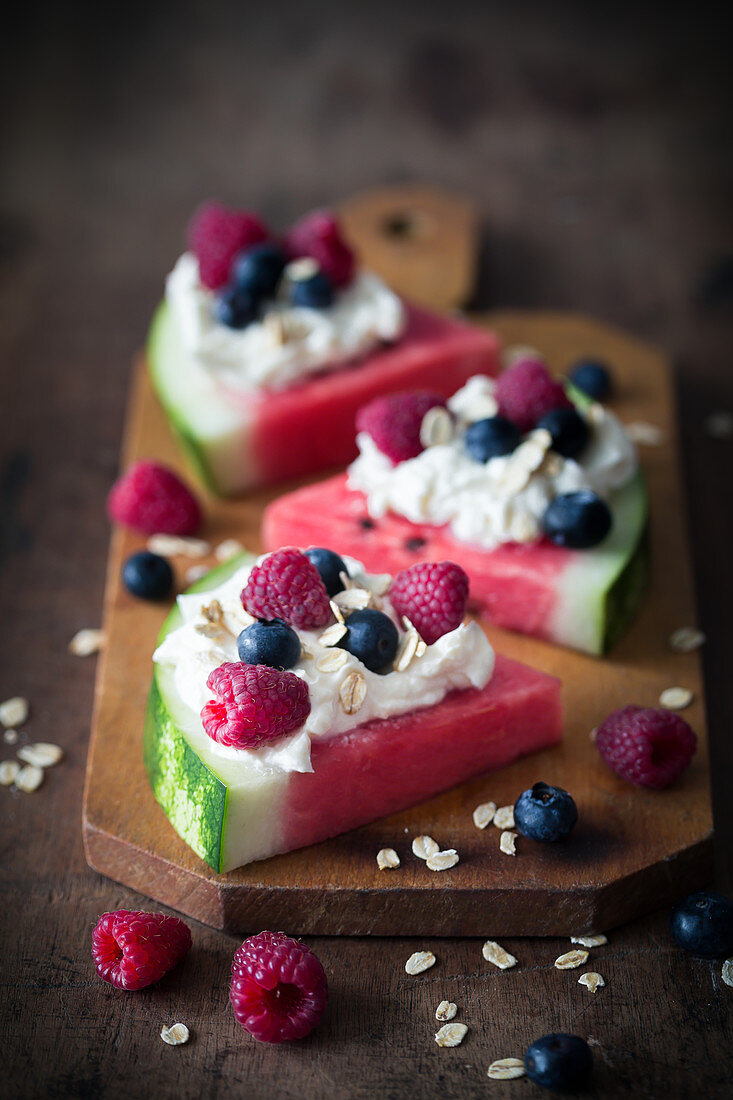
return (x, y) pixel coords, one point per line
(216, 235)
(394, 422)
(152, 499)
(132, 949)
(255, 704)
(433, 596)
(647, 747)
(287, 586)
(527, 391)
(279, 989)
(318, 235)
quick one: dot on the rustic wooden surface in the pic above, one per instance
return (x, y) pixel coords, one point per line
(597, 148)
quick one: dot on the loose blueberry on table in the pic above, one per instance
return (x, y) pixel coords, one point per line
(560, 1062)
(545, 813)
(703, 925)
(148, 576)
(591, 377)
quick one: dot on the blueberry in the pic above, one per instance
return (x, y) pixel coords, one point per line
(592, 377)
(577, 520)
(315, 292)
(269, 642)
(235, 308)
(330, 566)
(258, 270)
(492, 437)
(372, 637)
(545, 813)
(148, 576)
(560, 1062)
(568, 429)
(703, 925)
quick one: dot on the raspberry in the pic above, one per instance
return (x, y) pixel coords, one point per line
(318, 235)
(216, 235)
(133, 949)
(433, 597)
(286, 585)
(279, 989)
(648, 747)
(153, 500)
(394, 422)
(527, 391)
(255, 704)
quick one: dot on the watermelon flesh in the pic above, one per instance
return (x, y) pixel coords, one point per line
(240, 441)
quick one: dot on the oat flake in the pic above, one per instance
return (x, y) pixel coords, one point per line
(29, 778)
(506, 1069)
(10, 737)
(445, 1011)
(352, 692)
(590, 941)
(436, 427)
(42, 754)
(504, 817)
(333, 634)
(686, 639)
(353, 599)
(337, 612)
(507, 843)
(420, 961)
(591, 981)
(676, 698)
(175, 1035)
(727, 972)
(14, 712)
(227, 549)
(195, 573)
(645, 434)
(171, 546)
(424, 846)
(86, 642)
(442, 861)
(450, 1035)
(387, 859)
(408, 650)
(483, 815)
(571, 959)
(332, 661)
(495, 953)
(8, 772)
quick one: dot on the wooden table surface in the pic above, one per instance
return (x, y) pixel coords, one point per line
(599, 151)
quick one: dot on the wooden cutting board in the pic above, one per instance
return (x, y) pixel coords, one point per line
(632, 850)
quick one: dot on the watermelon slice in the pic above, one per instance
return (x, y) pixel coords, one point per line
(579, 598)
(239, 441)
(230, 814)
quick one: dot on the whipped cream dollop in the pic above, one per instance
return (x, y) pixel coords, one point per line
(460, 659)
(502, 500)
(290, 342)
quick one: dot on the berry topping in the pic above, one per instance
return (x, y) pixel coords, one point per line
(272, 643)
(235, 308)
(394, 422)
(545, 813)
(148, 576)
(526, 391)
(432, 595)
(216, 234)
(648, 747)
(491, 438)
(258, 270)
(577, 520)
(703, 925)
(330, 567)
(318, 235)
(153, 500)
(568, 429)
(592, 377)
(279, 989)
(133, 949)
(255, 704)
(561, 1062)
(286, 585)
(313, 292)
(372, 637)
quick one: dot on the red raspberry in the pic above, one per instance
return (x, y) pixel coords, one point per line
(133, 949)
(648, 747)
(286, 585)
(279, 989)
(256, 704)
(394, 421)
(153, 500)
(318, 235)
(216, 235)
(527, 391)
(433, 597)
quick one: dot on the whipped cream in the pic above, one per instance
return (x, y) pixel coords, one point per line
(485, 503)
(459, 660)
(290, 342)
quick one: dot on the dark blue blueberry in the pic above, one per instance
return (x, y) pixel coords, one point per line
(269, 642)
(568, 429)
(577, 520)
(492, 437)
(330, 566)
(703, 925)
(315, 292)
(560, 1062)
(235, 308)
(258, 271)
(592, 377)
(148, 576)
(372, 637)
(545, 813)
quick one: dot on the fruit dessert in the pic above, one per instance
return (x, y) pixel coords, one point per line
(298, 697)
(532, 487)
(264, 348)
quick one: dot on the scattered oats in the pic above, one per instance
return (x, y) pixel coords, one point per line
(495, 953)
(593, 733)
(570, 960)
(304, 651)
(332, 634)
(14, 712)
(483, 815)
(170, 546)
(352, 692)
(337, 612)
(86, 642)
(590, 941)
(304, 268)
(445, 1011)
(686, 639)
(442, 861)
(274, 326)
(591, 981)
(215, 631)
(507, 843)
(227, 549)
(10, 737)
(719, 425)
(676, 698)
(408, 650)
(380, 583)
(8, 772)
(551, 465)
(450, 1035)
(538, 440)
(436, 427)
(42, 754)
(332, 661)
(195, 573)
(514, 478)
(424, 846)
(483, 407)
(353, 599)
(506, 1069)
(422, 648)
(213, 612)
(29, 778)
(727, 972)
(175, 1035)
(523, 527)
(387, 859)
(420, 961)
(504, 817)
(646, 435)
(515, 352)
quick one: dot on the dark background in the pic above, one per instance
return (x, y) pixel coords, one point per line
(598, 146)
